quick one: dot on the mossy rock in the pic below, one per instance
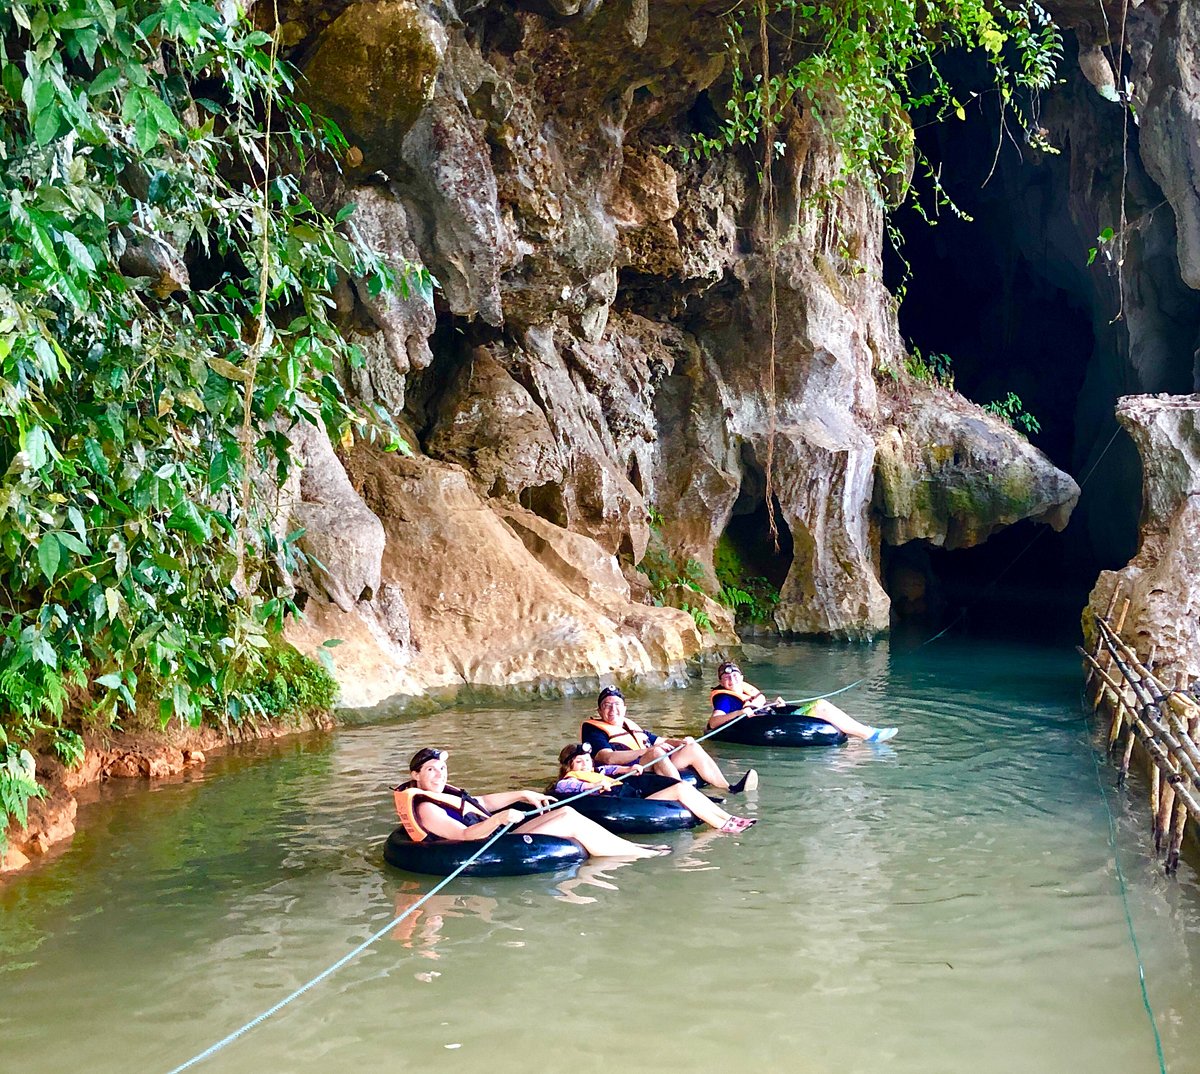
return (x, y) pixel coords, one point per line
(373, 71)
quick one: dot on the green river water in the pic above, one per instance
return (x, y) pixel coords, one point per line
(946, 902)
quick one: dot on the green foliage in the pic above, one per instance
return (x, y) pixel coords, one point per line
(930, 368)
(863, 66)
(288, 685)
(1103, 239)
(1012, 410)
(663, 573)
(18, 787)
(134, 400)
(751, 598)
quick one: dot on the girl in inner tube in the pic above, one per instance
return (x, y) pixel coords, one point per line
(578, 774)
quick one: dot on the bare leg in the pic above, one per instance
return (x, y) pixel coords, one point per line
(830, 713)
(567, 824)
(693, 756)
(655, 760)
(691, 799)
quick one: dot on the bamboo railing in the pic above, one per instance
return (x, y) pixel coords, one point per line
(1164, 722)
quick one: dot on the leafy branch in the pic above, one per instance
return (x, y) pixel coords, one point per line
(165, 318)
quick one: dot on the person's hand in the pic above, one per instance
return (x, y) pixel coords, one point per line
(534, 798)
(688, 741)
(779, 701)
(513, 816)
(636, 770)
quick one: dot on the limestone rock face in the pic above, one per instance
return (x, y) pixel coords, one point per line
(496, 598)
(373, 71)
(1166, 80)
(1162, 582)
(950, 473)
(598, 355)
(489, 423)
(403, 323)
(343, 537)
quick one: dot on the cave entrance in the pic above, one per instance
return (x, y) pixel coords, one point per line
(748, 537)
(1010, 297)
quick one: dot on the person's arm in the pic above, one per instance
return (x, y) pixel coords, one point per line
(436, 820)
(618, 757)
(723, 715)
(720, 718)
(504, 799)
(570, 785)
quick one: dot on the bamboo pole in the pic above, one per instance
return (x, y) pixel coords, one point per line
(1165, 721)
(1106, 663)
(1088, 679)
(1183, 747)
(1155, 749)
(1146, 723)
(1175, 844)
(1166, 807)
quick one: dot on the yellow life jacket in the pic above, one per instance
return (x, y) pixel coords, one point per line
(408, 798)
(745, 693)
(605, 783)
(631, 737)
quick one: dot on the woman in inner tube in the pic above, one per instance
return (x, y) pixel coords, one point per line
(431, 810)
(577, 774)
(733, 697)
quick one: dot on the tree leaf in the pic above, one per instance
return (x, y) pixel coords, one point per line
(228, 370)
(79, 253)
(49, 555)
(186, 518)
(145, 128)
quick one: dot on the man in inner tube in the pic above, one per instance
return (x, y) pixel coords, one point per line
(733, 697)
(616, 739)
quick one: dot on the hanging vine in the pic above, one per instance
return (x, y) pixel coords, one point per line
(856, 65)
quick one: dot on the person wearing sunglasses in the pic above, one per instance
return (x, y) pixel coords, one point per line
(431, 809)
(578, 774)
(733, 697)
(616, 739)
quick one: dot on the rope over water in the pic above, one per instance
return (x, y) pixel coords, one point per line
(348, 957)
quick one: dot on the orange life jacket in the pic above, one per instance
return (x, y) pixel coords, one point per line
(605, 783)
(452, 799)
(745, 693)
(631, 737)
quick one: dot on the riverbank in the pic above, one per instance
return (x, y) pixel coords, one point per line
(125, 755)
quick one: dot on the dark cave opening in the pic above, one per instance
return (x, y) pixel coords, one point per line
(749, 536)
(1010, 296)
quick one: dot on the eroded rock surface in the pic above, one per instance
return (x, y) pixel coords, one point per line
(952, 474)
(1161, 582)
(495, 598)
(599, 356)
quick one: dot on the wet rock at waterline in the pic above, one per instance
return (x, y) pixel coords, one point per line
(1161, 582)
